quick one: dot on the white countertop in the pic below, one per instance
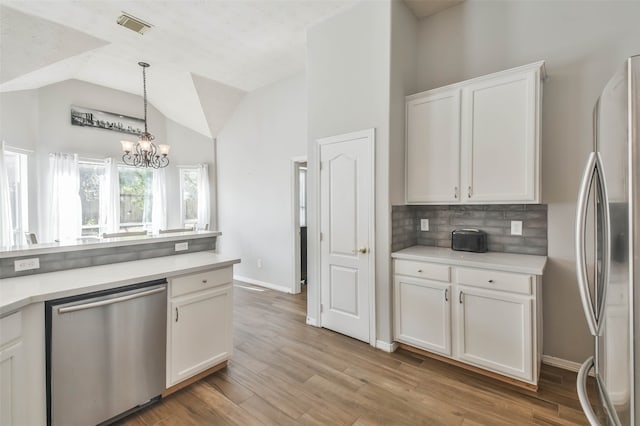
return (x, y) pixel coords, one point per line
(509, 262)
(21, 291)
(97, 243)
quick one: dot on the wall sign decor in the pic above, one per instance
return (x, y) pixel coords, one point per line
(106, 120)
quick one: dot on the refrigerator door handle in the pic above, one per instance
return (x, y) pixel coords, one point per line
(581, 255)
(581, 385)
(606, 243)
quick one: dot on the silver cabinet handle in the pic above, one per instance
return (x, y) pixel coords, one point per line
(420, 270)
(90, 305)
(469, 192)
(177, 314)
(455, 192)
(490, 281)
(204, 281)
(460, 297)
(446, 294)
(593, 171)
(581, 385)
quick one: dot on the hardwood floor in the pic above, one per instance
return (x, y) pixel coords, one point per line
(284, 372)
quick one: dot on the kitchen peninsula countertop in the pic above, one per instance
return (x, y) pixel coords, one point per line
(510, 262)
(18, 292)
(89, 243)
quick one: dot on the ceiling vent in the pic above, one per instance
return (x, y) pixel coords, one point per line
(133, 23)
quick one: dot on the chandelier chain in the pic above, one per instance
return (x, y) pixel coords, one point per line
(144, 89)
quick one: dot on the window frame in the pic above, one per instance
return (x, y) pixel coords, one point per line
(21, 189)
(98, 163)
(188, 222)
(132, 226)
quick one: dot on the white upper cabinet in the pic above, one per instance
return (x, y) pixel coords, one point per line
(477, 141)
(433, 147)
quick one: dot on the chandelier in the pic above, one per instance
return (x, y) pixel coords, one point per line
(145, 153)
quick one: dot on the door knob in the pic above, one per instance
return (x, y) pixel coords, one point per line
(363, 250)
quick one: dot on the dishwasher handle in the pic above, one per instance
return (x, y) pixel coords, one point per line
(90, 305)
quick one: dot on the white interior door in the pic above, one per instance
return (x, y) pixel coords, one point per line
(346, 226)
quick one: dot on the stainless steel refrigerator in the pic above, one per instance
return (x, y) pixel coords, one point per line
(608, 253)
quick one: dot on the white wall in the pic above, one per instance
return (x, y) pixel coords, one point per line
(348, 69)
(583, 44)
(254, 151)
(39, 120)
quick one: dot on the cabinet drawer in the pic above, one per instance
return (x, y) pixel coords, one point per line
(10, 328)
(495, 280)
(201, 281)
(431, 271)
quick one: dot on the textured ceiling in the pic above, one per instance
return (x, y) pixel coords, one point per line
(238, 45)
(424, 8)
(204, 54)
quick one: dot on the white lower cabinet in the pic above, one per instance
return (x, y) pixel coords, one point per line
(12, 404)
(494, 331)
(200, 323)
(485, 318)
(422, 302)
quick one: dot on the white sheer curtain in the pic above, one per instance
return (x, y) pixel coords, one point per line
(6, 225)
(110, 198)
(204, 194)
(159, 204)
(63, 203)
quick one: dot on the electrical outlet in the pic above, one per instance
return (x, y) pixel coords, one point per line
(259, 263)
(182, 246)
(424, 224)
(516, 227)
(26, 264)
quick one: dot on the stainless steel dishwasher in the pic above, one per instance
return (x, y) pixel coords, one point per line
(106, 353)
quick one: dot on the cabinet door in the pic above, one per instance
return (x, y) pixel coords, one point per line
(433, 148)
(422, 314)
(494, 331)
(499, 139)
(12, 401)
(200, 332)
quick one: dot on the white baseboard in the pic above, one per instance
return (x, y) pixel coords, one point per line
(385, 346)
(262, 284)
(312, 321)
(560, 363)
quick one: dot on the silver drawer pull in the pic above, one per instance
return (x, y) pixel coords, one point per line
(204, 281)
(490, 281)
(420, 270)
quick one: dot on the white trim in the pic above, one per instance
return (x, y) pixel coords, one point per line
(370, 135)
(385, 346)
(562, 363)
(313, 322)
(17, 150)
(262, 284)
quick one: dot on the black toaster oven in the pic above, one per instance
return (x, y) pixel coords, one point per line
(473, 240)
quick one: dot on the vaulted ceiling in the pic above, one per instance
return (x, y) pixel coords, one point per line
(204, 55)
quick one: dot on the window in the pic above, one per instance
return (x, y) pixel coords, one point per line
(90, 175)
(135, 197)
(16, 163)
(189, 195)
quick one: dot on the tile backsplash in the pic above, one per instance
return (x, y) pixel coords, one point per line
(51, 262)
(494, 219)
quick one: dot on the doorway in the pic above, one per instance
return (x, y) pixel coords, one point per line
(299, 226)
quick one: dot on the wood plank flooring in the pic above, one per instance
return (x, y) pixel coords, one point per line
(284, 372)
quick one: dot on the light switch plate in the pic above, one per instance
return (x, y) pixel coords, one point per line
(182, 246)
(424, 224)
(26, 264)
(516, 227)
